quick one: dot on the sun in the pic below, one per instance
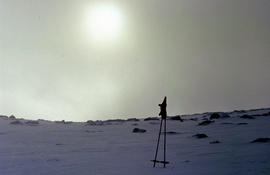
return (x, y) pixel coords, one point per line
(105, 22)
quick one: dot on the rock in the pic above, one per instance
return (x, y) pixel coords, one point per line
(58, 144)
(61, 122)
(214, 116)
(138, 130)
(207, 122)
(32, 122)
(16, 122)
(176, 118)
(219, 115)
(262, 140)
(64, 122)
(98, 122)
(115, 120)
(193, 119)
(3, 116)
(246, 116)
(227, 123)
(200, 136)
(214, 142)
(151, 118)
(239, 111)
(134, 124)
(133, 120)
(90, 122)
(242, 123)
(171, 133)
(12, 117)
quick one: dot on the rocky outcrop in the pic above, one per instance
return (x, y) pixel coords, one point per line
(138, 130)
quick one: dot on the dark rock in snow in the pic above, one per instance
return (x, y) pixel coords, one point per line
(219, 115)
(68, 122)
(207, 122)
(193, 119)
(242, 123)
(138, 130)
(247, 117)
(176, 118)
(266, 114)
(134, 124)
(239, 111)
(12, 117)
(133, 120)
(226, 123)
(214, 142)
(98, 122)
(90, 122)
(151, 118)
(64, 122)
(261, 140)
(214, 116)
(58, 144)
(16, 122)
(3, 116)
(171, 133)
(32, 122)
(200, 136)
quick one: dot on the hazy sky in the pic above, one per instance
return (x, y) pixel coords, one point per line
(204, 55)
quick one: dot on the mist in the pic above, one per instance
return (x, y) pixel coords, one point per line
(210, 55)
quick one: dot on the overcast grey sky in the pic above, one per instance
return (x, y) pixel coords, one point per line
(204, 55)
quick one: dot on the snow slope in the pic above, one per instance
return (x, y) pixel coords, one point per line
(56, 148)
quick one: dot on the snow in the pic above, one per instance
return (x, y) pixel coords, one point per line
(69, 148)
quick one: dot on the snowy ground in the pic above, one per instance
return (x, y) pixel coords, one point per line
(51, 148)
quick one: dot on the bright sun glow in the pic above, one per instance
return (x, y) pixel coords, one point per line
(105, 22)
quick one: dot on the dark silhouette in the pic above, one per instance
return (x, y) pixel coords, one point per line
(207, 122)
(163, 114)
(151, 118)
(261, 140)
(200, 136)
(246, 116)
(138, 130)
(163, 111)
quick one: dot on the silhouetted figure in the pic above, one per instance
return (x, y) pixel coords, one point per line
(163, 111)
